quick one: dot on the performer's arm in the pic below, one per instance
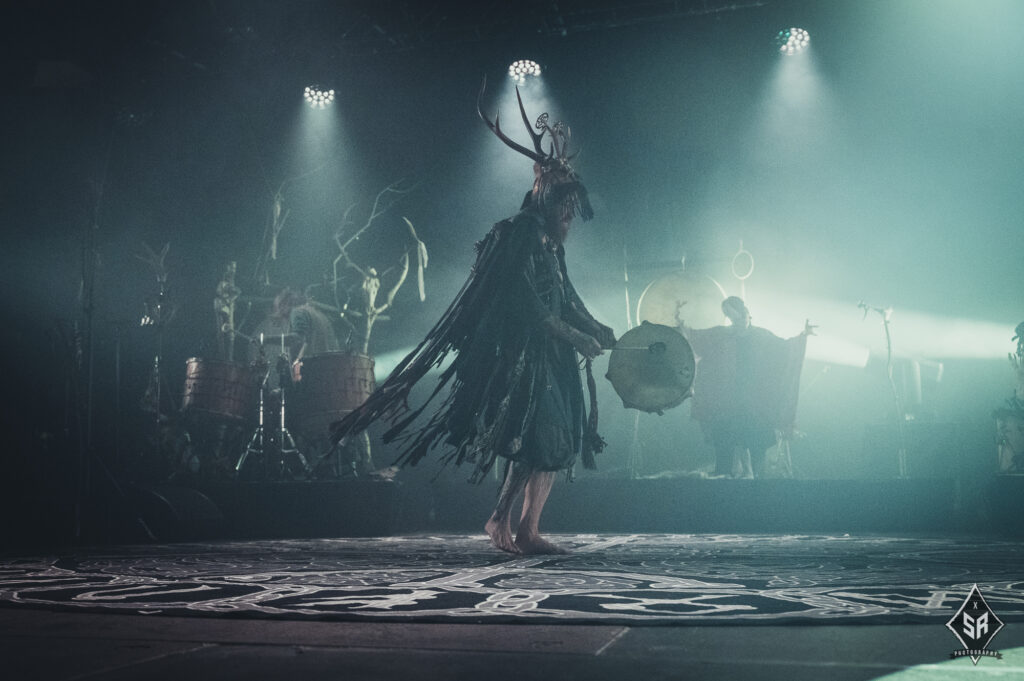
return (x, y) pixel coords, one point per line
(585, 344)
(534, 311)
(578, 316)
(702, 341)
(299, 324)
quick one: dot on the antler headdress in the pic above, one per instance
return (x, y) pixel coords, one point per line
(557, 183)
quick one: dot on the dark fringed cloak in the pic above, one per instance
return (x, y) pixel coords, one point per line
(514, 388)
(755, 374)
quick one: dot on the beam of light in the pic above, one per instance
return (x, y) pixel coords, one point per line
(385, 363)
(792, 41)
(500, 171)
(786, 317)
(790, 141)
(845, 332)
(318, 130)
(829, 349)
(535, 101)
(520, 69)
(318, 98)
(934, 336)
(795, 92)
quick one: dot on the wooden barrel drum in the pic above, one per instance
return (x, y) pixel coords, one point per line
(332, 385)
(222, 391)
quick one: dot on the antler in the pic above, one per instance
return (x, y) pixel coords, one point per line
(559, 134)
(495, 127)
(526, 121)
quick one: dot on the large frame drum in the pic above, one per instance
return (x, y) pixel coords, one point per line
(700, 295)
(220, 391)
(332, 385)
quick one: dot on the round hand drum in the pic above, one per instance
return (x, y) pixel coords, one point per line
(651, 368)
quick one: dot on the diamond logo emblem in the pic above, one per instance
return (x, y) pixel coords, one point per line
(975, 624)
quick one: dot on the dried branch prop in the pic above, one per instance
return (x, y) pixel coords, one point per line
(224, 310)
(275, 225)
(421, 260)
(367, 288)
(156, 261)
(158, 312)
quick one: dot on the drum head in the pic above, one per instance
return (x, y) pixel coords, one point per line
(651, 368)
(702, 295)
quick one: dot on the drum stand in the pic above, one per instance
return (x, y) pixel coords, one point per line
(286, 448)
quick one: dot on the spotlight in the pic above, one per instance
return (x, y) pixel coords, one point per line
(317, 98)
(792, 40)
(519, 70)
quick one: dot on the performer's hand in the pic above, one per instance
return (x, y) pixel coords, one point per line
(586, 345)
(809, 328)
(297, 370)
(605, 336)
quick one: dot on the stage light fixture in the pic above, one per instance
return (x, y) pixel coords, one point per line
(317, 98)
(792, 40)
(520, 69)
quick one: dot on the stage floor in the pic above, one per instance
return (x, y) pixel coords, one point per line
(697, 606)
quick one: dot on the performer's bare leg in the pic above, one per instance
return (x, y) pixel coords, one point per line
(528, 538)
(499, 525)
(364, 464)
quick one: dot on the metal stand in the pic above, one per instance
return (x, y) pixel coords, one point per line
(633, 464)
(285, 449)
(258, 441)
(286, 444)
(901, 415)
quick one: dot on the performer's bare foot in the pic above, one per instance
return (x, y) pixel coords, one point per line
(534, 544)
(501, 535)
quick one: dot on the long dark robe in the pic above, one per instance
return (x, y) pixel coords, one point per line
(750, 376)
(515, 388)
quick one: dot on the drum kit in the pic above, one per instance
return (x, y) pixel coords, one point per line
(651, 369)
(230, 395)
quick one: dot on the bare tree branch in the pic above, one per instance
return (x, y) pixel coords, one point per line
(398, 284)
(377, 210)
(368, 286)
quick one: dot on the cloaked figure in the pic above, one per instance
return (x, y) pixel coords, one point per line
(518, 328)
(745, 389)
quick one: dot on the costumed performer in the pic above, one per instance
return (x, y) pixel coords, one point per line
(517, 328)
(746, 388)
